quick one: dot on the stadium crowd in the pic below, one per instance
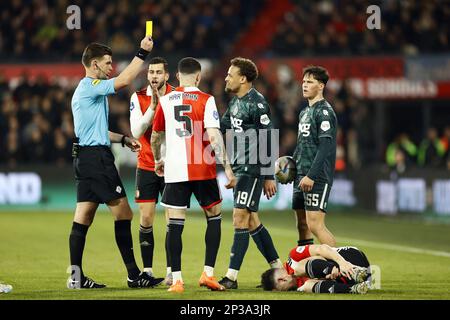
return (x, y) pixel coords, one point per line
(407, 27)
(36, 30)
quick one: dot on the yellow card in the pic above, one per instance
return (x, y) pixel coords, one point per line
(148, 28)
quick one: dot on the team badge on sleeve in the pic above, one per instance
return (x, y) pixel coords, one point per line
(325, 125)
(216, 115)
(131, 106)
(96, 82)
(264, 119)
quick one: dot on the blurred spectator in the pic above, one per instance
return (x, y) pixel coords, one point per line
(431, 151)
(423, 28)
(353, 151)
(399, 165)
(61, 148)
(408, 149)
(341, 163)
(445, 141)
(448, 162)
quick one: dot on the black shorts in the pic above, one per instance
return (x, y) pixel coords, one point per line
(247, 192)
(148, 186)
(177, 195)
(96, 175)
(315, 200)
(354, 256)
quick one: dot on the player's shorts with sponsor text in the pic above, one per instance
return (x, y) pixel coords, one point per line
(96, 175)
(177, 195)
(247, 192)
(148, 186)
(315, 200)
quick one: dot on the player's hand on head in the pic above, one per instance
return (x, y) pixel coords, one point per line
(133, 144)
(270, 188)
(147, 44)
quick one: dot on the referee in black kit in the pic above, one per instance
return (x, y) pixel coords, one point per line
(97, 179)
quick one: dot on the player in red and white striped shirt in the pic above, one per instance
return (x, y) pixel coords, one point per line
(188, 121)
(148, 185)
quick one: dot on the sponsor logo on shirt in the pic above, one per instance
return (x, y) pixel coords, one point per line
(236, 124)
(325, 125)
(264, 119)
(300, 249)
(304, 129)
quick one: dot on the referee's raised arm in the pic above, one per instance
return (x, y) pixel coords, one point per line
(132, 70)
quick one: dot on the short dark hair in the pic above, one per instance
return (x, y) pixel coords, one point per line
(319, 73)
(246, 67)
(267, 280)
(94, 50)
(160, 60)
(189, 65)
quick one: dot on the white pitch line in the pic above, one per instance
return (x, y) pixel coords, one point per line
(381, 245)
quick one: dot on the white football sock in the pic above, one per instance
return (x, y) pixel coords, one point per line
(209, 271)
(232, 274)
(177, 276)
(149, 271)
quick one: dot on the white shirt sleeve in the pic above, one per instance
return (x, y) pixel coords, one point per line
(211, 116)
(139, 122)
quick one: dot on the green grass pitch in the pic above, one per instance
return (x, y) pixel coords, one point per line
(414, 256)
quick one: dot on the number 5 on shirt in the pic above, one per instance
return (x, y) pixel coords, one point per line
(181, 117)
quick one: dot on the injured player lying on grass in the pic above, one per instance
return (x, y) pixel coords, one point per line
(321, 269)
